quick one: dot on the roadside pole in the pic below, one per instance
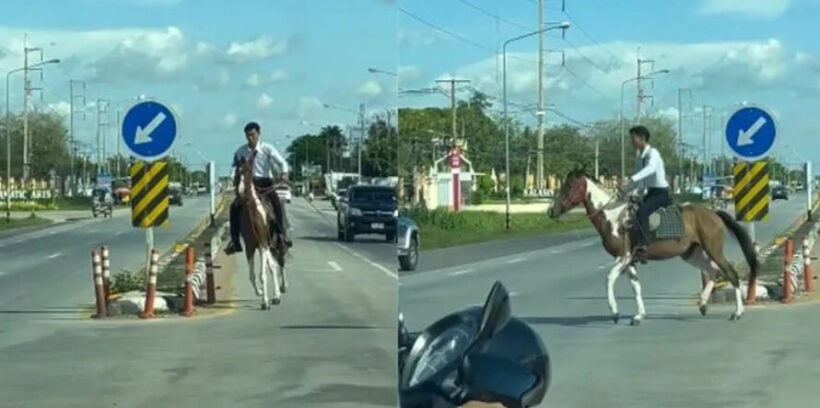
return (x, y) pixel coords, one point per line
(809, 185)
(212, 189)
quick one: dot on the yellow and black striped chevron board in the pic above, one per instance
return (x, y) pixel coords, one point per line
(751, 192)
(149, 194)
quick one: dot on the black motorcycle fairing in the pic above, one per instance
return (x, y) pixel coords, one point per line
(490, 378)
(517, 344)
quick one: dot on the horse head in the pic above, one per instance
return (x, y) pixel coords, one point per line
(573, 192)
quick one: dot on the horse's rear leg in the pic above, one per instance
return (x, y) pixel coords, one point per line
(729, 272)
(271, 268)
(636, 289)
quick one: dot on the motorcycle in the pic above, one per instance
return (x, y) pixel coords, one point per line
(476, 354)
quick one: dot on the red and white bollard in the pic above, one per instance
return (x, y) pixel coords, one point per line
(751, 290)
(209, 274)
(106, 272)
(151, 286)
(788, 251)
(188, 307)
(808, 279)
(99, 290)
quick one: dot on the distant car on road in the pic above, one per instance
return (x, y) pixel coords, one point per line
(780, 192)
(175, 196)
(408, 244)
(368, 210)
(284, 193)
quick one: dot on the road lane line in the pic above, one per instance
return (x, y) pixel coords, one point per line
(335, 266)
(54, 255)
(378, 266)
(460, 272)
(516, 260)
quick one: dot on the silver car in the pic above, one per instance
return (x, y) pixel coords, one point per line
(408, 244)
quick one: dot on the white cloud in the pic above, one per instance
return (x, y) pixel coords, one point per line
(264, 101)
(718, 67)
(229, 120)
(418, 37)
(409, 73)
(258, 49)
(370, 89)
(309, 107)
(746, 8)
(255, 80)
(62, 108)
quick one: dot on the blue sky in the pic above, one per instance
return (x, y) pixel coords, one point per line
(725, 51)
(218, 64)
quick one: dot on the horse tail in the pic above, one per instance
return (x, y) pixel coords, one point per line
(745, 241)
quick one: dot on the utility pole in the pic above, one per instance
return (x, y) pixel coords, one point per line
(596, 159)
(361, 136)
(539, 172)
(26, 102)
(641, 96)
(72, 143)
(100, 125)
(681, 154)
(453, 103)
(119, 138)
(705, 157)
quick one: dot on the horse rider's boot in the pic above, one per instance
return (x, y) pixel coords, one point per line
(641, 253)
(233, 247)
(285, 237)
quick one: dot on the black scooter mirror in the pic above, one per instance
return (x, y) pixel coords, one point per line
(496, 313)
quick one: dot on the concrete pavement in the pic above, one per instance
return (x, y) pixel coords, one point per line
(675, 359)
(330, 343)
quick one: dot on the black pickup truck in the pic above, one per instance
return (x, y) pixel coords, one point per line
(368, 210)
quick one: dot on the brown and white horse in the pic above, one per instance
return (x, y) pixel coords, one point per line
(700, 242)
(255, 219)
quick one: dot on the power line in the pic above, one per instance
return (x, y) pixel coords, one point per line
(571, 45)
(589, 36)
(585, 83)
(496, 16)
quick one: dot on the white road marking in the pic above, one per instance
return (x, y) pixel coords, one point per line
(335, 266)
(516, 260)
(386, 271)
(54, 255)
(460, 272)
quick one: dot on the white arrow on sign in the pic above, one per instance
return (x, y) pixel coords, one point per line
(144, 133)
(744, 137)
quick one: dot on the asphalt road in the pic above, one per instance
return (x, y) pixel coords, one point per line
(675, 359)
(330, 343)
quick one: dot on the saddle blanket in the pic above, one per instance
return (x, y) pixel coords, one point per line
(666, 223)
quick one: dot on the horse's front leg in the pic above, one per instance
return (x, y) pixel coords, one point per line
(252, 275)
(610, 286)
(708, 286)
(636, 290)
(272, 269)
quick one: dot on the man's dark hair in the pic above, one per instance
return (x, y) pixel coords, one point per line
(640, 130)
(252, 125)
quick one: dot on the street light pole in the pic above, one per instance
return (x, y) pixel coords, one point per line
(8, 132)
(562, 26)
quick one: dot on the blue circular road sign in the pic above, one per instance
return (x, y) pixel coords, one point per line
(149, 130)
(751, 133)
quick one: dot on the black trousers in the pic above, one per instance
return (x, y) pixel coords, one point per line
(278, 211)
(655, 199)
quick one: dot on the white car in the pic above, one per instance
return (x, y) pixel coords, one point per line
(284, 193)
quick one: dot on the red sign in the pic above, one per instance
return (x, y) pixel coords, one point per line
(455, 158)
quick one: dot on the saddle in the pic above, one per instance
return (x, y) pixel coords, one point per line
(664, 223)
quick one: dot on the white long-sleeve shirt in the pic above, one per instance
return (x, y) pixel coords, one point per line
(268, 161)
(653, 172)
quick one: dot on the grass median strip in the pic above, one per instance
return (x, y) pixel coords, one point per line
(442, 228)
(15, 223)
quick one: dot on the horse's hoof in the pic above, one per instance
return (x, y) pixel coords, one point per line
(275, 301)
(703, 309)
(636, 321)
(283, 289)
(734, 317)
(615, 317)
(265, 306)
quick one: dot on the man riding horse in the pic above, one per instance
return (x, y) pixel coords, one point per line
(267, 162)
(653, 175)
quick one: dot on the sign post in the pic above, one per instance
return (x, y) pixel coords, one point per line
(149, 130)
(750, 134)
(212, 189)
(455, 171)
(809, 188)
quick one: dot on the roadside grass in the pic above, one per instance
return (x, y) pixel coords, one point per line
(442, 228)
(30, 221)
